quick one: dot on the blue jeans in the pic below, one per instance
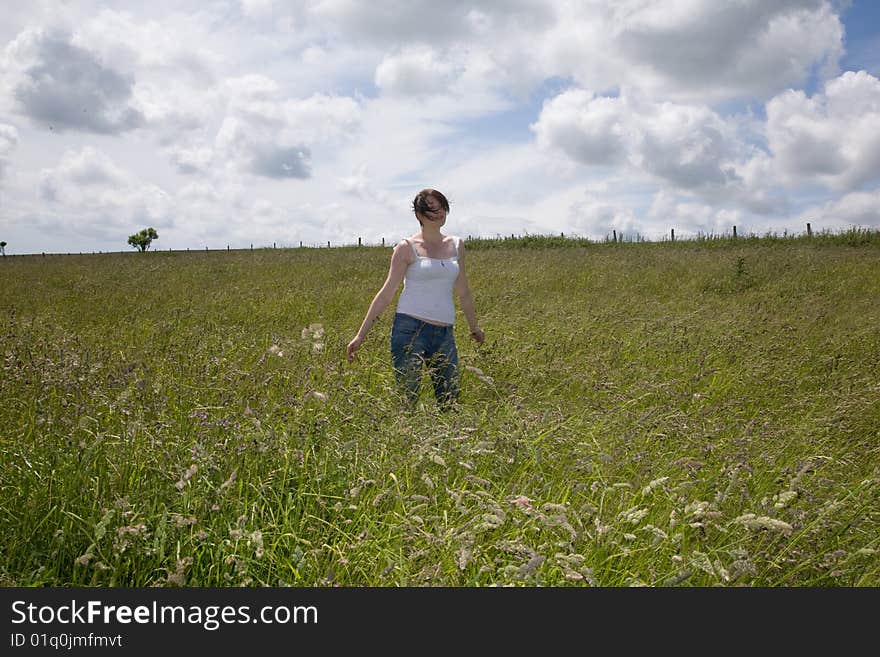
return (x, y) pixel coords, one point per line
(416, 344)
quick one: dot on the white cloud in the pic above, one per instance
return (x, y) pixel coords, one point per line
(713, 50)
(832, 138)
(274, 138)
(668, 212)
(857, 209)
(66, 87)
(89, 191)
(319, 119)
(8, 142)
(589, 129)
(414, 72)
(687, 146)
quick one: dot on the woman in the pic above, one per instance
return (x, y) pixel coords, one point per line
(431, 265)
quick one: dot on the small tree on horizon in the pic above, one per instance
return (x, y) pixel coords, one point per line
(142, 240)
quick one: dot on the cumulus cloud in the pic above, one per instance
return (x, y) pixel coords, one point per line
(688, 146)
(669, 212)
(726, 49)
(272, 137)
(414, 72)
(598, 219)
(8, 142)
(394, 22)
(68, 87)
(246, 98)
(88, 191)
(857, 209)
(192, 160)
(588, 129)
(831, 138)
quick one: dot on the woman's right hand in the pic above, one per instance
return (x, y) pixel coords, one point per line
(353, 346)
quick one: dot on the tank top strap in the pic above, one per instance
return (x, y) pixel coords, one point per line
(455, 242)
(413, 247)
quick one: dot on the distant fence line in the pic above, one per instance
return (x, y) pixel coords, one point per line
(613, 238)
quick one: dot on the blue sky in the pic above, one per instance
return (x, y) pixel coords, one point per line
(239, 122)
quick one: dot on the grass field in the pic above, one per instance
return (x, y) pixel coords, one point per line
(697, 413)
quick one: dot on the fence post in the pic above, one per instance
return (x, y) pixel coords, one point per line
(359, 241)
(300, 244)
(809, 231)
(734, 232)
(206, 249)
(273, 245)
(672, 232)
(383, 241)
(328, 244)
(614, 236)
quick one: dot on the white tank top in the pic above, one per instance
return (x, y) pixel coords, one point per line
(427, 287)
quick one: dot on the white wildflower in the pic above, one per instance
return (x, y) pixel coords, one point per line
(654, 484)
(784, 499)
(756, 522)
(186, 476)
(633, 516)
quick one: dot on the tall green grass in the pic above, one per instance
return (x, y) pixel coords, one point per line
(696, 413)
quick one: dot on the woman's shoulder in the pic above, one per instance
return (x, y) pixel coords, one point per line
(405, 249)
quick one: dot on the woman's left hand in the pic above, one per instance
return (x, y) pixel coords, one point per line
(477, 335)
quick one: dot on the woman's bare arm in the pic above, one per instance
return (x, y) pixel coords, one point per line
(463, 289)
(400, 260)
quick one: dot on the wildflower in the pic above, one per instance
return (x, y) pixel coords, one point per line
(226, 484)
(479, 481)
(784, 499)
(652, 485)
(178, 577)
(257, 541)
(522, 501)
(186, 476)
(755, 522)
(320, 396)
(531, 566)
(490, 521)
(315, 334)
(550, 507)
(658, 534)
(633, 516)
(480, 374)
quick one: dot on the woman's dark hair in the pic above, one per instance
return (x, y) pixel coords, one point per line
(420, 202)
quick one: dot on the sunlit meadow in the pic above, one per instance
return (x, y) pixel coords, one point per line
(697, 413)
